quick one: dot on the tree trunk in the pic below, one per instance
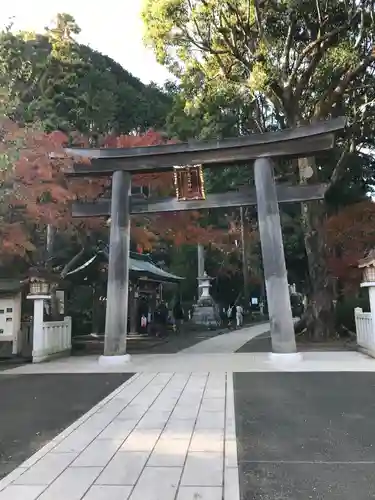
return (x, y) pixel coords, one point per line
(319, 315)
(50, 240)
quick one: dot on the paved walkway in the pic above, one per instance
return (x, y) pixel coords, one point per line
(228, 342)
(214, 363)
(168, 433)
(159, 436)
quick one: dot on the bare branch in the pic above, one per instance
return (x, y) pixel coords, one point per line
(288, 45)
(202, 47)
(258, 18)
(361, 27)
(335, 92)
(342, 162)
(328, 37)
(319, 12)
(305, 78)
(71, 263)
(231, 43)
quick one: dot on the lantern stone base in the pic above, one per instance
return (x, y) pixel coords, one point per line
(114, 360)
(206, 313)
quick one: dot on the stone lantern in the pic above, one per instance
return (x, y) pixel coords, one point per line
(206, 311)
(38, 286)
(205, 285)
(39, 292)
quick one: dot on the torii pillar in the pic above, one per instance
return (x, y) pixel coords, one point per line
(275, 274)
(116, 317)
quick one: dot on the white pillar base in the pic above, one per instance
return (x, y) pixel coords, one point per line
(114, 360)
(285, 358)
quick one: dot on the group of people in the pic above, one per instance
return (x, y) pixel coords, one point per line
(162, 318)
(235, 315)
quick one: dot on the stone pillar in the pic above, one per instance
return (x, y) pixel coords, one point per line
(245, 270)
(201, 266)
(38, 319)
(133, 307)
(279, 309)
(118, 271)
(371, 294)
(370, 285)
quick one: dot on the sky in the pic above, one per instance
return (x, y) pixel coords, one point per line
(116, 32)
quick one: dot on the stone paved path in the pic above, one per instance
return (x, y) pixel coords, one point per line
(228, 342)
(169, 432)
(160, 436)
(234, 362)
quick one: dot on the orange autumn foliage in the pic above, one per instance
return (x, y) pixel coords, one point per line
(33, 188)
(179, 227)
(36, 192)
(350, 235)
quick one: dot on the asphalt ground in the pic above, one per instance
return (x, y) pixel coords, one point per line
(262, 343)
(36, 408)
(306, 435)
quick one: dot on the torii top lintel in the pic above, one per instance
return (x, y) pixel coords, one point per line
(301, 141)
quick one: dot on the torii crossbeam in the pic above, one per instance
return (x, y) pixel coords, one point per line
(122, 163)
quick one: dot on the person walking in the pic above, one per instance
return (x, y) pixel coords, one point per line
(231, 314)
(161, 320)
(178, 315)
(239, 316)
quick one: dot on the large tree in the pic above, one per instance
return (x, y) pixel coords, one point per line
(50, 82)
(296, 61)
(68, 86)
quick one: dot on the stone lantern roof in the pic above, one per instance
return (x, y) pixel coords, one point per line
(368, 266)
(368, 261)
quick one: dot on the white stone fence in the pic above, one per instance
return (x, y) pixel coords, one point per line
(50, 338)
(365, 330)
(55, 340)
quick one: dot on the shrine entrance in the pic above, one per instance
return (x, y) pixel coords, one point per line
(121, 164)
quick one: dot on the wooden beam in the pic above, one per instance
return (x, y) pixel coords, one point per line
(300, 141)
(100, 208)
(247, 197)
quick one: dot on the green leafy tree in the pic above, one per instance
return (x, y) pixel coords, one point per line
(296, 61)
(70, 87)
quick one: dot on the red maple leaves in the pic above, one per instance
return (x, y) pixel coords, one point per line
(33, 188)
(350, 235)
(36, 192)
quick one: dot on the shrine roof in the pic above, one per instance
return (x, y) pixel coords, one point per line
(10, 285)
(146, 267)
(139, 266)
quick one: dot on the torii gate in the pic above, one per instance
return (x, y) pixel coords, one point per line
(121, 163)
